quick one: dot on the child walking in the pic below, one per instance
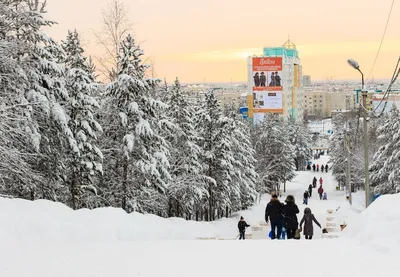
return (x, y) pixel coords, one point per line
(242, 228)
(308, 219)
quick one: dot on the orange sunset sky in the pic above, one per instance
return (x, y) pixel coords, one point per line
(210, 39)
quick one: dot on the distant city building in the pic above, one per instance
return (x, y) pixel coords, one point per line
(320, 103)
(386, 105)
(275, 83)
(306, 80)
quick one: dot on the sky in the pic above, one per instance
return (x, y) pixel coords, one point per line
(210, 40)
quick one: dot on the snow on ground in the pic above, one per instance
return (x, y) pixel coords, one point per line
(43, 238)
(320, 126)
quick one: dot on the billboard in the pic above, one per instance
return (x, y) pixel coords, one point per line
(266, 84)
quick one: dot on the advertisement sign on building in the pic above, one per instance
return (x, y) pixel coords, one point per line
(266, 84)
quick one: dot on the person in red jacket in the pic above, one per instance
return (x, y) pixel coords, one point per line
(320, 192)
(320, 181)
(317, 167)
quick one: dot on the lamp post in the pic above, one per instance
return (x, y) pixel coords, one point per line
(364, 93)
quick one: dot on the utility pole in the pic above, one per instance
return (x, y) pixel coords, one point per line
(364, 94)
(348, 172)
(366, 163)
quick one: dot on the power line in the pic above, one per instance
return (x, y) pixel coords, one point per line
(383, 37)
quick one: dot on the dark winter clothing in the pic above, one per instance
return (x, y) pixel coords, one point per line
(310, 190)
(314, 181)
(320, 192)
(325, 196)
(326, 168)
(317, 167)
(305, 197)
(256, 80)
(308, 219)
(242, 226)
(290, 211)
(320, 181)
(274, 212)
(277, 80)
(263, 79)
(242, 236)
(313, 167)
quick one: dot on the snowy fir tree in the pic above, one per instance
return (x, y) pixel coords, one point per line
(217, 157)
(301, 141)
(274, 154)
(246, 177)
(142, 157)
(42, 92)
(186, 189)
(385, 172)
(86, 160)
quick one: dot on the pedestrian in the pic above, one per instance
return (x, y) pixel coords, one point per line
(274, 212)
(326, 168)
(313, 167)
(242, 228)
(306, 195)
(317, 167)
(310, 190)
(320, 181)
(290, 211)
(325, 196)
(320, 192)
(322, 168)
(314, 182)
(308, 219)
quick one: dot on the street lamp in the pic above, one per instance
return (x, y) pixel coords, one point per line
(364, 93)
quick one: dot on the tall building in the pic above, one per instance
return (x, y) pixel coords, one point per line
(306, 80)
(275, 83)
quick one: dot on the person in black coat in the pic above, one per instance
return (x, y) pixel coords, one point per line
(326, 168)
(313, 167)
(274, 212)
(310, 187)
(314, 182)
(306, 195)
(242, 228)
(290, 211)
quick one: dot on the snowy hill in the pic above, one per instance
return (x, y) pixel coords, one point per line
(50, 239)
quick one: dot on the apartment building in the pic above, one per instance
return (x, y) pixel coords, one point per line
(321, 103)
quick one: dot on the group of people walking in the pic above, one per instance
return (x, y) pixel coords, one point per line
(308, 193)
(283, 220)
(316, 167)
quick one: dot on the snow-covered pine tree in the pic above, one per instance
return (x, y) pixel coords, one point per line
(244, 161)
(217, 156)
(274, 154)
(186, 189)
(43, 91)
(142, 155)
(384, 168)
(301, 141)
(84, 163)
(338, 150)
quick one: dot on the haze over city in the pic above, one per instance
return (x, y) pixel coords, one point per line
(210, 40)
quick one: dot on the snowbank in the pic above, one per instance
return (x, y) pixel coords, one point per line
(45, 220)
(378, 225)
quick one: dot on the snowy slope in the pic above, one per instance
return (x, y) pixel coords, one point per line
(43, 238)
(42, 219)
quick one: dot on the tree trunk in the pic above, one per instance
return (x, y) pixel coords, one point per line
(226, 211)
(178, 208)
(197, 215)
(206, 215)
(284, 186)
(124, 185)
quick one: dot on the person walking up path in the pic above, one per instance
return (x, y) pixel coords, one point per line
(274, 212)
(290, 211)
(308, 220)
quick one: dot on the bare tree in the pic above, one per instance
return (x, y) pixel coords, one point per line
(116, 26)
